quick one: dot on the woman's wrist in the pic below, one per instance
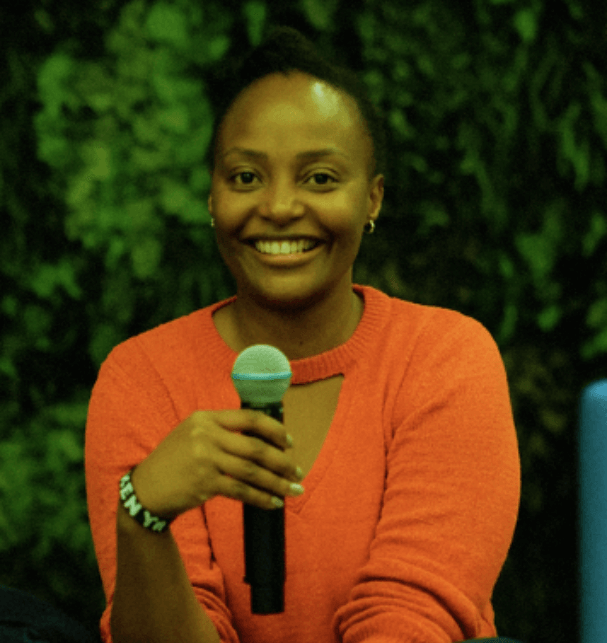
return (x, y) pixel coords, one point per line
(133, 508)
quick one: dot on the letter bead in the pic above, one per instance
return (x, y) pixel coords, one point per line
(130, 502)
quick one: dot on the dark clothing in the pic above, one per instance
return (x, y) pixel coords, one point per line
(27, 619)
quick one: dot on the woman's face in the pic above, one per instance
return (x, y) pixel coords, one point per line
(292, 171)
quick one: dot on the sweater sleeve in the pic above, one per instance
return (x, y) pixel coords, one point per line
(451, 497)
(130, 412)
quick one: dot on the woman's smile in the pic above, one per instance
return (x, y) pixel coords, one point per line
(286, 254)
(284, 247)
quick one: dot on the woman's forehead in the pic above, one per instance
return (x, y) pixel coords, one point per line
(298, 87)
(299, 106)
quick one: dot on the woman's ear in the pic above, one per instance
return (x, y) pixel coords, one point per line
(376, 196)
(210, 204)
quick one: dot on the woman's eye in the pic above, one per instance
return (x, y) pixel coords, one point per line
(244, 178)
(318, 178)
(321, 178)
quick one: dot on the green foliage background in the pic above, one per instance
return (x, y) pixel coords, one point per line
(495, 206)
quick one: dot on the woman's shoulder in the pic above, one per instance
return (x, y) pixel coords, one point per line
(177, 340)
(408, 319)
(168, 334)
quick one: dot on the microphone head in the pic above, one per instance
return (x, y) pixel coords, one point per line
(261, 374)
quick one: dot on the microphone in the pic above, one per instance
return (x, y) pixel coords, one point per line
(262, 375)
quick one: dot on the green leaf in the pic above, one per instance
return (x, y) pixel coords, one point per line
(549, 318)
(376, 85)
(433, 215)
(72, 413)
(97, 156)
(594, 236)
(94, 84)
(509, 322)
(200, 180)
(538, 252)
(596, 346)
(52, 77)
(177, 199)
(366, 24)
(66, 447)
(173, 196)
(598, 100)
(145, 129)
(218, 47)
(139, 216)
(100, 102)
(146, 256)
(576, 11)
(167, 23)
(574, 149)
(541, 250)
(148, 160)
(117, 248)
(597, 314)
(53, 149)
(398, 122)
(525, 22)
(319, 13)
(80, 189)
(506, 266)
(8, 367)
(38, 322)
(192, 150)
(175, 119)
(9, 306)
(255, 12)
(49, 277)
(104, 338)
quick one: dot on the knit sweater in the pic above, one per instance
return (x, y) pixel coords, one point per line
(409, 509)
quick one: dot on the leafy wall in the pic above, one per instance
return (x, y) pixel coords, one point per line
(497, 118)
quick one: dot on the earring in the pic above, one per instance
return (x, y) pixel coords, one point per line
(370, 226)
(212, 222)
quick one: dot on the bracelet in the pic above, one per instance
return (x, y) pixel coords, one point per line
(130, 502)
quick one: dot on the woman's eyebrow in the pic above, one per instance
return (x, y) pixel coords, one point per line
(328, 151)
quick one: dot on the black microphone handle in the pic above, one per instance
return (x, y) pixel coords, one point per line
(264, 544)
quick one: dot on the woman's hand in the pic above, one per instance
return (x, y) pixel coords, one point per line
(207, 455)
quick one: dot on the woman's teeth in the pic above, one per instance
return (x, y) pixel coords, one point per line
(284, 247)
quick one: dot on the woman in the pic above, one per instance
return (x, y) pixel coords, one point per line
(398, 421)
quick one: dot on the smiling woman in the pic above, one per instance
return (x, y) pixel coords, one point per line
(398, 416)
(292, 166)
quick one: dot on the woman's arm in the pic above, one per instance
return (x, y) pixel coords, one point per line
(199, 459)
(184, 457)
(154, 600)
(451, 497)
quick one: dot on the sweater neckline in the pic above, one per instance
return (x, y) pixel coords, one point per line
(324, 365)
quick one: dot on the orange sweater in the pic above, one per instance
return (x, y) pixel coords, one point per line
(409, 509)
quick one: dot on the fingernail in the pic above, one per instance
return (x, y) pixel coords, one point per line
(299, 473)
(289, 440)
(296, 489)
(277, 502)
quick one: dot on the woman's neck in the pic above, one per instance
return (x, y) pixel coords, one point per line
(297, 333)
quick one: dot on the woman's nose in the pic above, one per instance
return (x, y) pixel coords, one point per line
(281, 202)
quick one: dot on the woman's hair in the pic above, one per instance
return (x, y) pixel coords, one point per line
(286, 50)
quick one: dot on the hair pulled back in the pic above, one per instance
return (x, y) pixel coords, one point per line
(286, 50)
